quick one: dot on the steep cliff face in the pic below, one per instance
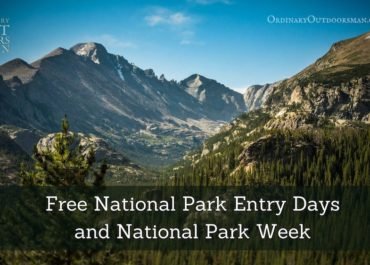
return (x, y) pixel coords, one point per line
(255, 96)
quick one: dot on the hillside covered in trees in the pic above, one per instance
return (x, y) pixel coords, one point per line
(248, 152)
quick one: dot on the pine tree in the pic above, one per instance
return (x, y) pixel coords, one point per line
(63, 164)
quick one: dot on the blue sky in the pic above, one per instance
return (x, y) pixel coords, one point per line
(227, 40)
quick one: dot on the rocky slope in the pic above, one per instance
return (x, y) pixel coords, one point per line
(336, 85)
(152, 120)
(294, 121)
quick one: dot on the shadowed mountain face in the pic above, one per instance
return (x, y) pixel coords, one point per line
(150, 119)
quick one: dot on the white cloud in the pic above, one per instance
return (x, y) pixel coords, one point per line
(154, 20)
(178, 18)
(175, 22)
(162, 16)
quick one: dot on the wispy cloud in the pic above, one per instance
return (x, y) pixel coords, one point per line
(179, 23)
(211, 2)
(163, 16)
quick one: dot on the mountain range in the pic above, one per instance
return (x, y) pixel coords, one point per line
(152, 120)
(155, 122)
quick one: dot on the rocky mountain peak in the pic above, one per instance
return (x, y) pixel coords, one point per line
(17, 69)
(16, 63)
(92, 50)
(194, 81)
(214, 96)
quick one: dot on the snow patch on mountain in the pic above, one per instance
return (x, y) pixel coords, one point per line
(119, 71)
(119, 68)
(202, 96)
(193, 87)
(88, 50)
(94, 58)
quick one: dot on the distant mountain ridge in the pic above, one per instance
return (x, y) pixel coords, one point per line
(150, 119)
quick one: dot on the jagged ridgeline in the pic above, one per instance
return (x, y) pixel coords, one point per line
(146, 117)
